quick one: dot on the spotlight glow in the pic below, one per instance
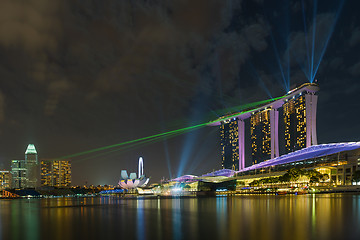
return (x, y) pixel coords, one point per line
(319, 44)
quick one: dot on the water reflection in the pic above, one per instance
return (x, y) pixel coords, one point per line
(15, 215)
(140, 220)
(176, 219)
(221, 217)
(159, 219)
(328, 216)
(193, 218)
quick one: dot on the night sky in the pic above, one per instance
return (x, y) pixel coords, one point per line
(77, 75)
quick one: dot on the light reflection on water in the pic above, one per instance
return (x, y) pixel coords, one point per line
(327, 216)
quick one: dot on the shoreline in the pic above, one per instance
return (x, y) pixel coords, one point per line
(188, 194)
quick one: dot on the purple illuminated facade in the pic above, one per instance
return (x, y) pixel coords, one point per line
(220, 173)
(311, 105)
(193, 178)
(325, 155)
(185, 178)
(315, 151)
(241, 127)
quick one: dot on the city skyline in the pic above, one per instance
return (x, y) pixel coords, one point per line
(298, 113)
(163, 66)
(179, 119)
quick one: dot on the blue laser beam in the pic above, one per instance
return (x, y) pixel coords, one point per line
(283, 76)
(306, 41)
(313, 40)
(276, 52)
(328, 39)
(167, 156)
(203, 150)
(258, 78)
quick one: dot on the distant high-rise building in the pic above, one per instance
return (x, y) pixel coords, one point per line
(229, 140)
(19, 174)
(25, 173)
(56, 173)
(5, 179)
(32, 166)
(300, 121)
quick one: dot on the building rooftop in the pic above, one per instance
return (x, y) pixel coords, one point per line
(30, 149)
(221, 172)
(216, 176)
(184, 178)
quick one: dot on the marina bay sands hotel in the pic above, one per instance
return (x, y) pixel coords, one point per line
(297, 112)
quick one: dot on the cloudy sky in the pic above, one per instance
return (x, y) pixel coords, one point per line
(78, 75)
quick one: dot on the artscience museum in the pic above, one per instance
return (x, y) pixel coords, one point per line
(133, 181)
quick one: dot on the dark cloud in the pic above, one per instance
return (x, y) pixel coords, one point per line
(336, 63)
(355, 37)
(76, 75)
(32, 25)
(355, 69)
(2, 107)
(256, 36)
(55, 90)
(302, 43)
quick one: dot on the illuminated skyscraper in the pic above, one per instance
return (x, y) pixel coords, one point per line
(300, 121)
(25, 173)
(19, 174)
(5, 179)
(56, 173)
(299, 107)
(260, 136)
(32, 166)
(264, 135)
(229, 140)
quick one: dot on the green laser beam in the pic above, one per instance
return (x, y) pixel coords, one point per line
(237, 108)
(239, 113)
(131, 141)
(142, 144)
(248, 105)
(164, 134)
(129, 147)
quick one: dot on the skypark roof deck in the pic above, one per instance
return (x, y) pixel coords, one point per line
(309, 87)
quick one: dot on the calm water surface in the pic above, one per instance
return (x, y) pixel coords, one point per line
(330, 216)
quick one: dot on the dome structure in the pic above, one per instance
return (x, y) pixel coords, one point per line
(133, 181)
